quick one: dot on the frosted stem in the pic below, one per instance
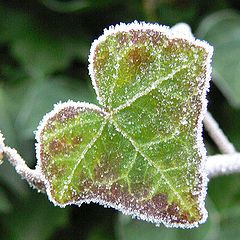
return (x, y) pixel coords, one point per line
(182, 29)
(1, 147)
(223, 164)
(217, 135)
(33, 176)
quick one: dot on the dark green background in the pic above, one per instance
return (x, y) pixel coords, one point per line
(44, 48)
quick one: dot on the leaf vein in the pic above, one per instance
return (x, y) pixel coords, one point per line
(149, 89)
(150, 162)
(84, 152)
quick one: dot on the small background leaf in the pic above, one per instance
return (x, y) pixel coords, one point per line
(5, 205)
(230, 224)
(38, 220)
(74, 5)
(130, 229)
(222, 30)
(66, 6)
(40, 50)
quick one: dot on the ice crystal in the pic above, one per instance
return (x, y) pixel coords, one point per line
(141, 151)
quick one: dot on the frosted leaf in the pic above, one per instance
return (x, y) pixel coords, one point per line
(141, 152)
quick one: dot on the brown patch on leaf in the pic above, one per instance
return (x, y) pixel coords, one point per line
(56, 170)
(138, 36)
(117, 194)
(135, 36)
(173, 210)
(139, 56)
(100, 58)
(155, 37)
(160, 201)
(77, 140)
(143, 36)
(45, 157)
(57, 146)
(141, 189)
(174, 45)
(64, 115)
(61, 146)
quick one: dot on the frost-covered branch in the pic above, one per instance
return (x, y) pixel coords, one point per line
(217, 135)
(223, 164)
(1, 147)
(229, 161)
(33, 176)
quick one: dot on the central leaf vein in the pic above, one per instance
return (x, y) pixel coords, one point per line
(150, 161)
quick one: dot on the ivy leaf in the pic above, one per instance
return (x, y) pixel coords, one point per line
(141, 152)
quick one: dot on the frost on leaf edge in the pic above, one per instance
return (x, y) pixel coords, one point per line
(57, 108)
(199, 137)
(200, 145)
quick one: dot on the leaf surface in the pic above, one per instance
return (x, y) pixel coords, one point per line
(141, 152)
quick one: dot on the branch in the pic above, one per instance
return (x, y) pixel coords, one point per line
(217, 135)
(226, 163)
(223, 164)
(33, 177)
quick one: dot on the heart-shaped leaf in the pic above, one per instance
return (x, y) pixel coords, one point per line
(142, 151)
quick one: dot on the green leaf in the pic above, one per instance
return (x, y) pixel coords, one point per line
(99, 234)
(222, 30)
(142, 151)
(66, 6)
(228, 185)
(40, 50)
(75, 5)
(5, 205)
(34, 218)
(230, 223)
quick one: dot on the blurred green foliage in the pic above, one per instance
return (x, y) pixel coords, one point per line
(222, 29)
(44, 47)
